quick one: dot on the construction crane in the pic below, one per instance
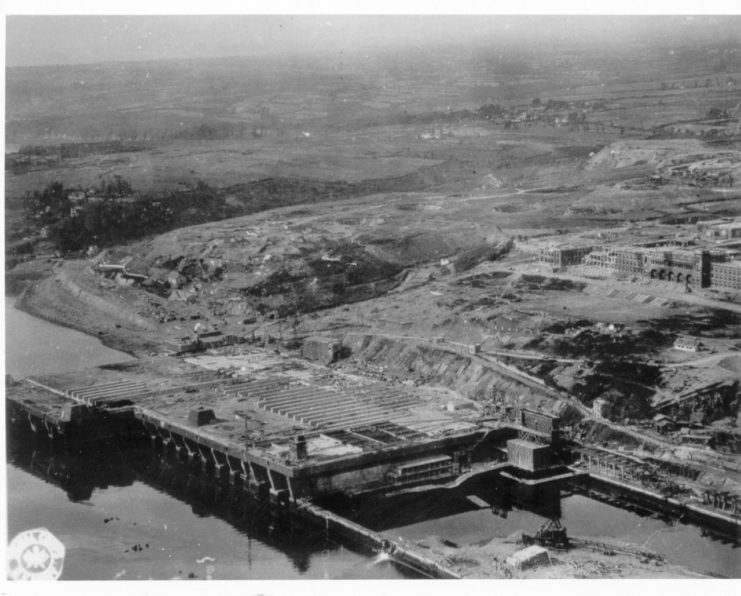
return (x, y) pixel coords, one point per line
(551, 533)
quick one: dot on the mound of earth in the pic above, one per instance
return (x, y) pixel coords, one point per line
(732, 363)
(624, 154)
(287, 262)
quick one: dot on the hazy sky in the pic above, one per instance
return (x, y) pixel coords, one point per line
(38, 40)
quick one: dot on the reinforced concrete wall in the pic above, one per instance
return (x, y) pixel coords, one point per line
(528, 456)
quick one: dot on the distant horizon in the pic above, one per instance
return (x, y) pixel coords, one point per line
(86, 40)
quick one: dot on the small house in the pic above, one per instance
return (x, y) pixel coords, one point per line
(664, 424)
(688, 344)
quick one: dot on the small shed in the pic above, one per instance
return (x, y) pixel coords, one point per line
(532, 556)
(458, 404)
(664, 424)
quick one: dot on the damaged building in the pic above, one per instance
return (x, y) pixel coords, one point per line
(563, 256)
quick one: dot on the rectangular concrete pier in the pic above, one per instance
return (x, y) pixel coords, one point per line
(298, 435)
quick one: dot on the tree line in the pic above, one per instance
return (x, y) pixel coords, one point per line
(74, 220)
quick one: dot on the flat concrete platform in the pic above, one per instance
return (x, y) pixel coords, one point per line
(353, 431)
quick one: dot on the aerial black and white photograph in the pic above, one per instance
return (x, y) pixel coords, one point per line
(372, 297)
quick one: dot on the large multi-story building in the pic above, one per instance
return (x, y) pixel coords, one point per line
(620, 258)
(689, 267)
(603, 257)
(629, 260)
(726, 275)
(694, 267)
(563, 256)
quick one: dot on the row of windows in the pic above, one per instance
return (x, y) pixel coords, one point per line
(727, 271)
(417, 471)
(726, 279)
(658, 265)
(731, 285)
(726, 274)
(423, 474)
(629, 267)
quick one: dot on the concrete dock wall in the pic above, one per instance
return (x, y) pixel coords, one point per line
(375, 541)
(690, 512)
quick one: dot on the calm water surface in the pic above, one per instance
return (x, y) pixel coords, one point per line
(34, 346)
(588, 518)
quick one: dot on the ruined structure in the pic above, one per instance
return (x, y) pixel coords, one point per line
(563, 256)
(323, 350)
(720, 229)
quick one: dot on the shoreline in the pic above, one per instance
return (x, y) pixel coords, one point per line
(23, 301)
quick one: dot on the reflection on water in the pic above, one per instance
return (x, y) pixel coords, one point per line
(489, 507)
(501, 499)
(130, 516)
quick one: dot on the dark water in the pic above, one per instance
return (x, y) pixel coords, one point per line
(588, 518)
(451, 515)
(118, 520)
(126, 520)
(132, 517)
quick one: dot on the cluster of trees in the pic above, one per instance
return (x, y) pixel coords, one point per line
(718, 114)
(214, 131)
(109, 221)
(551, 104)
(49, 205)
(488, 111)
(491, 111)
(74, 224)
(55, 202)
(75, 220)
